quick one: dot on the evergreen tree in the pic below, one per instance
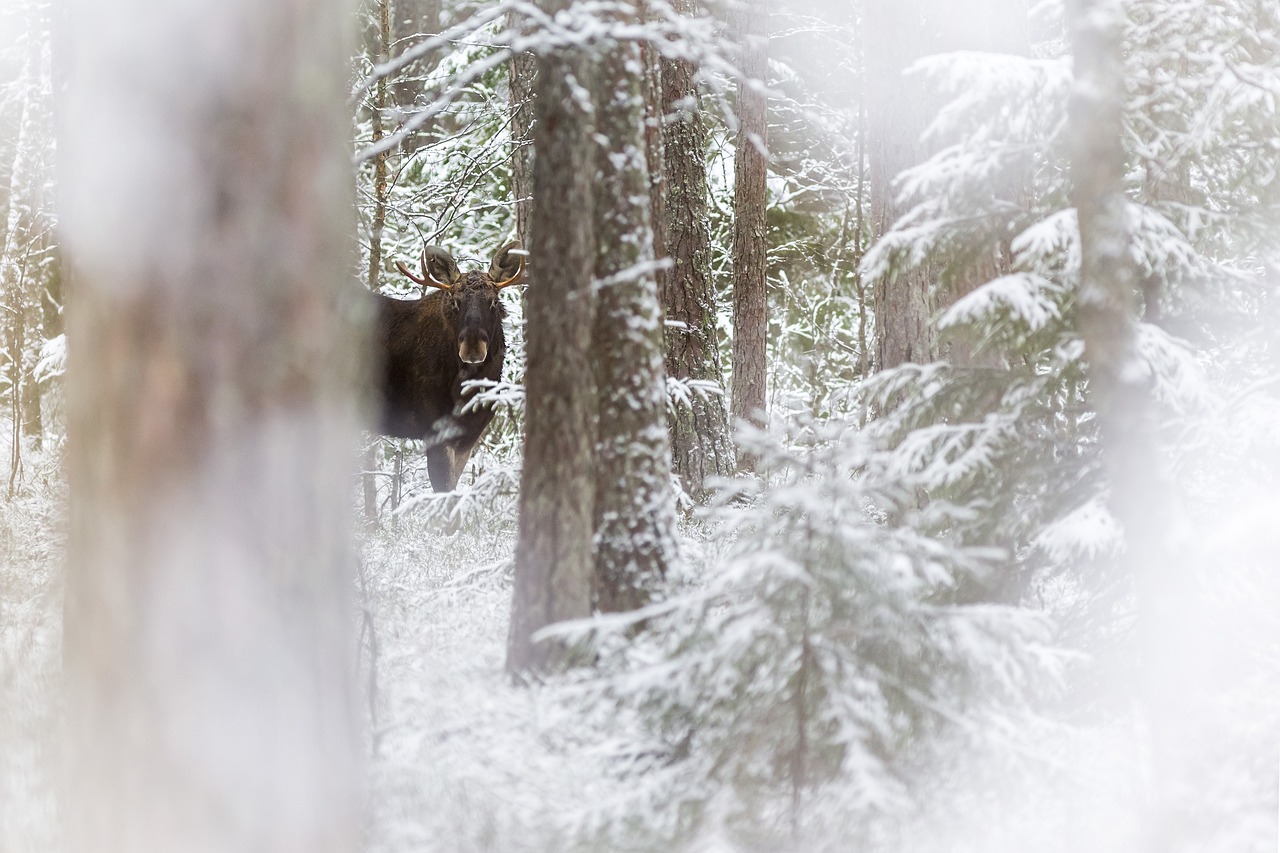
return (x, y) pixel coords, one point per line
(806, 684)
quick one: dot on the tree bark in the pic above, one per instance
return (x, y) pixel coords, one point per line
(699, 432)
(410, 21)
(553, 566)
(377, 226)
(750, 248)
(212, 423)
(651, 64)
(635, 513)
(895, 36)
(997, 26)
(521, 75)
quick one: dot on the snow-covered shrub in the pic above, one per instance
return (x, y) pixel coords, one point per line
(32, 550)
(1006, 429)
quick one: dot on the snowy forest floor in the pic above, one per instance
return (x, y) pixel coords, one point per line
(460, 759)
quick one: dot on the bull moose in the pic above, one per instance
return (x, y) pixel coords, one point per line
(431, 346)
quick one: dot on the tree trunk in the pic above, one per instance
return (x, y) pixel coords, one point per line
(635, 514)
(1118, 388)
(212, 422)
(700, 431)
(521, 75)
(553, 547)
(895, 36)
(410, 21)
(651, 64)
(380, 191)
(997, 26)
(750, 249)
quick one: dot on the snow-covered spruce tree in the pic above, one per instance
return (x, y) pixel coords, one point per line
(1013, 436)
(797, 689)
(1012, 433)
(1005, 426)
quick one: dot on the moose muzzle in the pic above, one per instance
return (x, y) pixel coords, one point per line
(473, 346)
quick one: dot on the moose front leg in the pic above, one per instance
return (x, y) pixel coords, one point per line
(440, 468)
(445, 464)
(461, 454)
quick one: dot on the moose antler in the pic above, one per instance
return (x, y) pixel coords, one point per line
(513, 248)
(427, 280)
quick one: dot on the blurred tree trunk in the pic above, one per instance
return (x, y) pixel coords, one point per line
(212, 427)
(409, 22)
(635, 514)
(699, 432)
(553, 566)
(1119, 390)
(750, 249)
(419, 16)
(895, 35)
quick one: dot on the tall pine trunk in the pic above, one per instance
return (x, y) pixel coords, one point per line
(894, 36)
(750, 249)
(700, 431)
(212, 424)
(635, 508)
(369, 483)
(996, 26)
(553, 546)
(521, 73)
(651, 69)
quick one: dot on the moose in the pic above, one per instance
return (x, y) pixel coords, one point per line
(430, 347)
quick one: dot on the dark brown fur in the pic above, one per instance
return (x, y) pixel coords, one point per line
(422, 343)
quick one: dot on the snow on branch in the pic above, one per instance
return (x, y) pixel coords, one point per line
(1025, 296)
(585, 25)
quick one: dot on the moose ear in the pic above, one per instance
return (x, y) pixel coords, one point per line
(508, 265)
(440, 265)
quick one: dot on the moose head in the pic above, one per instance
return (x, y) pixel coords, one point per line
(471, 303)
(429, 349)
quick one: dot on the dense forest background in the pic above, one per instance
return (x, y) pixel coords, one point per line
(886, 454)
